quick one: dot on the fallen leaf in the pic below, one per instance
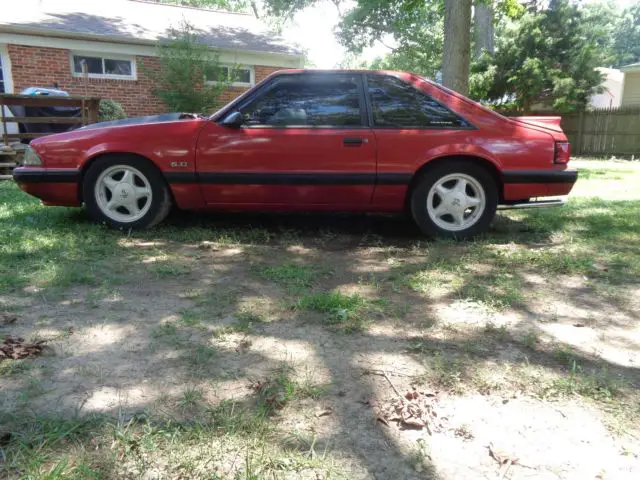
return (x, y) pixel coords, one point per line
(413, 422)
(17, 349)
(324, 412)
(411, 395)
(7, 318)
(501, 456)
(383, 421)
(244, 345)
(206, 245)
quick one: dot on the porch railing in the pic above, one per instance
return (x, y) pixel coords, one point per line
(88, 114)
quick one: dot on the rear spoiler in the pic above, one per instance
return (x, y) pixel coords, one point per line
(548, 123)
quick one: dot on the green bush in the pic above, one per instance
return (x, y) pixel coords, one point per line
(186, 68)
(110, 110)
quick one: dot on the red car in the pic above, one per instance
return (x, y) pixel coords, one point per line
(349, 141)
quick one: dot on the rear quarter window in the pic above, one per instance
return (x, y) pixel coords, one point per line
(397, 104)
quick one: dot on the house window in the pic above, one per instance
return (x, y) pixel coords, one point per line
(238, 75)
(104, 67)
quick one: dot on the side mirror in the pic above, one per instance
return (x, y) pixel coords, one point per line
(233, 120)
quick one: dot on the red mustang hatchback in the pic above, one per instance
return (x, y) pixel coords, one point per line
(349, 141)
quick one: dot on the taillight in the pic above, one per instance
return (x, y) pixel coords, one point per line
(563, 152)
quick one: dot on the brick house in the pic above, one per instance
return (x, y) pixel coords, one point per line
(45, 42)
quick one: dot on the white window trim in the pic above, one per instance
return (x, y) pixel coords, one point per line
(252, 73)
(103, 56)
(6, 69)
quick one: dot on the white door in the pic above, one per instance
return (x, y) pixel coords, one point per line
(6, 84)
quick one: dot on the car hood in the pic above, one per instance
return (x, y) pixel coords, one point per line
(163, 118)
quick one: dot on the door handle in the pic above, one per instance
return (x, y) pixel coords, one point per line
(353, 141)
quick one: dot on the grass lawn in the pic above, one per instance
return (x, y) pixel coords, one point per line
(265, 346)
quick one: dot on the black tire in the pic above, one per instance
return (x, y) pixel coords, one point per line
(420, 195)
(160, 195)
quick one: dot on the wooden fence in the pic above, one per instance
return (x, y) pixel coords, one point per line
(611, 131)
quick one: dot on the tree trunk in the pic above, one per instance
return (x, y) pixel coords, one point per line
(457, 45)
(483, 27)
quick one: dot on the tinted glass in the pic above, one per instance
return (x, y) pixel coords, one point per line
(397, 104)
(94, 64)
(300, 101)
(1, 77)
(117, 67)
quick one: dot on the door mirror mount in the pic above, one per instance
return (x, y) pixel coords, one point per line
(233, 120)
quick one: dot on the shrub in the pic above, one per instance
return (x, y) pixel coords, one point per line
(185, 66)
(110, 110)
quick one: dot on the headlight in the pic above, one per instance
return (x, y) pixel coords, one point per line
(31, 158)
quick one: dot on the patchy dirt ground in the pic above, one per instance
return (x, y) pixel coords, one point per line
(527, 343)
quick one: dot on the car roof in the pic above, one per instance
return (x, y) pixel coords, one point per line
(313, 71)
(341, 70)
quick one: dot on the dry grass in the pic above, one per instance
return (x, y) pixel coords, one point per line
(235, 346)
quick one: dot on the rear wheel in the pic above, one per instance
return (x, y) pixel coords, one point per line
(126, 192)
(456, 199)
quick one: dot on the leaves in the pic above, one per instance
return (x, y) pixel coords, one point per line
(7, 318)
(415, 410)
(228, 5)
(548, 56)
(187, 68)
(625, 34)
(17, 349)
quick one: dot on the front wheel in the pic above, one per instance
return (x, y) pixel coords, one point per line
(126, 192)
(456, 199)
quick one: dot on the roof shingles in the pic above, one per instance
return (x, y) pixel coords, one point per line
(142, 22)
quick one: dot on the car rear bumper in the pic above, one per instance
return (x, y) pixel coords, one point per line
(524, 184)
(540, 176)
(52, 186)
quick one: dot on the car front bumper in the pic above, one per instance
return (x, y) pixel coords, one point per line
(53, 186)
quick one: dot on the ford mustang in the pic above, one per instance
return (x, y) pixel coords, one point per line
(303, 140)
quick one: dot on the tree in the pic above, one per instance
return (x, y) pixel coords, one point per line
(457, 45)
(185, 66)
(416, 32)
(626, 38)
(416, 26)
(228, 5)
(548, 55)
(483, 28)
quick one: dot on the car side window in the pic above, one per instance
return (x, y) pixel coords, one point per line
(397, 104)
(313, 102)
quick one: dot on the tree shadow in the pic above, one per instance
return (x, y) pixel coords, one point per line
(81, 243)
